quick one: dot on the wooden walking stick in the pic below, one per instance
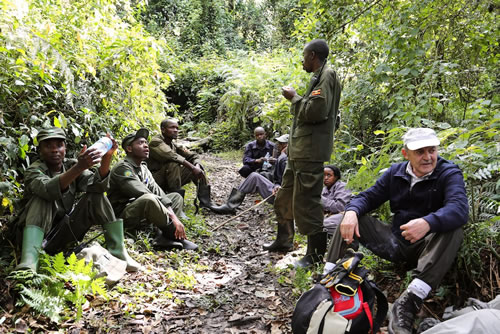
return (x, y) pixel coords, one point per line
(242, 212)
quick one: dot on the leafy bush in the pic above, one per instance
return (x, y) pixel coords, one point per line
(237, 94)
(87, 67)
(60, 281)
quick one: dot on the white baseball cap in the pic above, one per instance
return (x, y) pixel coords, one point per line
(283, 138)
(420, 137)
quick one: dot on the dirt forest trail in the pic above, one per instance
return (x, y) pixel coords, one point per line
(230, 285)
(240, 292)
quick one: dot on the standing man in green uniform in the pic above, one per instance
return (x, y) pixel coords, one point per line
(314, 116)
(136, 197)
(52, 184)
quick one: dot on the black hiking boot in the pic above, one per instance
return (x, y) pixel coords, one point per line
(403, 313)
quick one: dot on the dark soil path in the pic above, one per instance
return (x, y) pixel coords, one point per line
(230, 285)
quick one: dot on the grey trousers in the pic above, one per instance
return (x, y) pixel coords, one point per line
(257, 183)
(431, 256)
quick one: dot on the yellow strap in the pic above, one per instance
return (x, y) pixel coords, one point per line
(356, 277)
(347, 288)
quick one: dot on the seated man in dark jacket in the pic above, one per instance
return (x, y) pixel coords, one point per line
(51, 205)
(255, 153)
(428, 199)
(256, 182)
(137, 198)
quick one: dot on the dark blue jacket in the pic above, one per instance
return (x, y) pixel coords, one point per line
(279, 168)
(440, 200)
(254, 152)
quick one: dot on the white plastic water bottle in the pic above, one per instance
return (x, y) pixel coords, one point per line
(103, 145)
(266, 165)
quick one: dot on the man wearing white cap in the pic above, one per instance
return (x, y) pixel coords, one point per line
(427, 197)
(256, 182)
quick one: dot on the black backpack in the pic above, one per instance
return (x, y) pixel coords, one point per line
(346, 306)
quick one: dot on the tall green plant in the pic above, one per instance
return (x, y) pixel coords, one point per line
(59, 282)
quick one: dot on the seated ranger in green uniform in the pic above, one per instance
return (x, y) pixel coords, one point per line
(310, 144)
(52, 184)
(136, 197)
(174, 166)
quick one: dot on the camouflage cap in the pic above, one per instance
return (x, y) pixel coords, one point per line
(50, 133)
(141, 133)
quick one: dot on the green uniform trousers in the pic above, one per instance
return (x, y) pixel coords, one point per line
(172, 176)
(299, 198)
(92, 208)
(149, 209)
(431, 256)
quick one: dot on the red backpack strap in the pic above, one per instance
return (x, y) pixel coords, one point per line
(368, 313)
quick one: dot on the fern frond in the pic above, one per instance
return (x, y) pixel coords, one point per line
(98, 286)
(41, 302)
(487, 172)
(59, 263)
(72, 260)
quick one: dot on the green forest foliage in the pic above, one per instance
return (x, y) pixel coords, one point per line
(88, 67)
(218, 65)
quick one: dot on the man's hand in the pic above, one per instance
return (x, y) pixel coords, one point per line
(87, 158)
(415, 229)
(349, 226)
(113, 148)
(106, 158)
(198, 172)
(275, 190)
(180, 233)
(259, 161)
(288, 92)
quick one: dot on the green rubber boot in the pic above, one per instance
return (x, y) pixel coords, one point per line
(32, 243)
(113, 233)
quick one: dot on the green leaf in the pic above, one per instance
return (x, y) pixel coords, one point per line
(404, 71)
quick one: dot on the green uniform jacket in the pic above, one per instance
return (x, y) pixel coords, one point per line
(160, 153)
(311, 137)
(129, 181)
(41, 183)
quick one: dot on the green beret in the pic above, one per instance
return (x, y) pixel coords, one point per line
(129, 139)
(50, 133)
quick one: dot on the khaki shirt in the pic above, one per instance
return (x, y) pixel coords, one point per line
(311, 137)
(160, 153)
(41, 182)
(129, 181)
